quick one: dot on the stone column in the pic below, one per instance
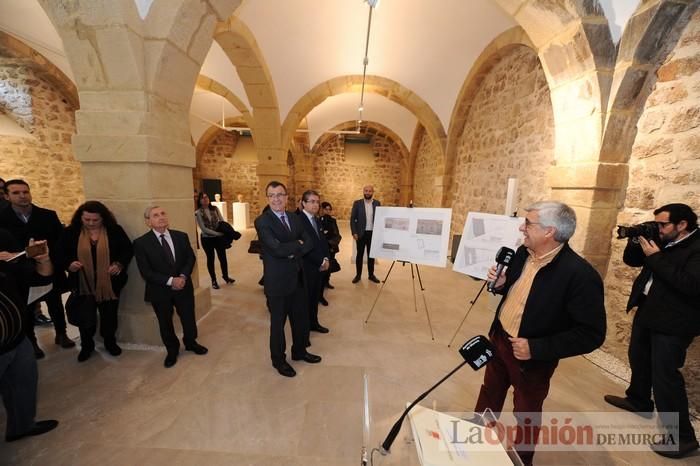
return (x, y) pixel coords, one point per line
(130, 159)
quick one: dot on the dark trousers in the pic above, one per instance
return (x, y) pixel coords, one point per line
(108, 324)
(56, 312)
(183, 302)
(655, 360)
(18, 382)
(292, 306)
(365, 241)
(210, 245)
(313, 289)
(530, 382)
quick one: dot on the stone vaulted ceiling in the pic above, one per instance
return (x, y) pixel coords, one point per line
(426, 46)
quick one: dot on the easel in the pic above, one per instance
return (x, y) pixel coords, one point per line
(413, 282)
(472, 302)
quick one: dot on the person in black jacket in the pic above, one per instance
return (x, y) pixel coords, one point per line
(165, 259)
(666, 294)
(361, 225)
(316, 261)
(284, 242)
(330, 228)
(18, 369)
(552, 308)
(96, 252)
(25, 221)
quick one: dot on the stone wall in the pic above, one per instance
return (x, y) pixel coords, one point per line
(340, 182)
(664, 167)
(429, 168)
(220, 160)
(45, 157)
(508, 133)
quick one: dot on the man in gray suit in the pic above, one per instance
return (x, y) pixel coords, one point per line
(165, 259)
(361, 221)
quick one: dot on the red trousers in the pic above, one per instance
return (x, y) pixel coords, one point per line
(530, 382)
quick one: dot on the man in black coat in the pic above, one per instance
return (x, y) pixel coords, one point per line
(165, 259)
(316, 262)
(666, 294)
(18, 369)
(284, 242)
(552, 308)
(25, 220)
(361, 226)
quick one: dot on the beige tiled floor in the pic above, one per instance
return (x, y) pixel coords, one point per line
(231, 408)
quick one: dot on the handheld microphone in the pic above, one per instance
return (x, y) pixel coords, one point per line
(477, 352)
(503, 258)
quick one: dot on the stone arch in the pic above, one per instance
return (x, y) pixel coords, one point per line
(216, 87)
(489, 57)
(650, 36)
(368, 127)
(388, 88)
(239, 44)
(213, 131)
(326, 163)
(13, 47)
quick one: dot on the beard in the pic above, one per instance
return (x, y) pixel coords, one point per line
(368, 196)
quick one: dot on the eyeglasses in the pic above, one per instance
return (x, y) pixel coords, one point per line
(663, 224)
(528, 223)
(276, 195)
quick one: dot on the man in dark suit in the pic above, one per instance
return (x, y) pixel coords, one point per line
(361, 224)
(284, 242)
(165, 259)
(25, 221)
(552, 308)
(666, 294)
(317, 261)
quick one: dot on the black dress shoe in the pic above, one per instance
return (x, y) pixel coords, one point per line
(374, 279)
(38, 352)
(85, 354)
(308, 357)
(41, 319)
(319, 328)
(63, 340)
(356, 279)
(627, 405)
(215, 285)
(40, 427)
(329, 286)
(684, 449)
(323, 301)
(170, 360)
(285, 369)
(229, 280)
(196, 348)
(113, 348)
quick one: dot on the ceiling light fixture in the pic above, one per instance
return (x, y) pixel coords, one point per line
(372, 5)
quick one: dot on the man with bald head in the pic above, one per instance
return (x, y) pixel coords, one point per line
(361, 221)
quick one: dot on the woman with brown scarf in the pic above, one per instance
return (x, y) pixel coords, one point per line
(96, 252)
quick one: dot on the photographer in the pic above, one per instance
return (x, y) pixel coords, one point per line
(666, 296)
(18, 370)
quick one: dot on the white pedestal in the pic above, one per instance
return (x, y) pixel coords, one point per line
(223, 208)
(241, 215)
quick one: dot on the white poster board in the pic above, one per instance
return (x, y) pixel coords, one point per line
(482, 237)
(417, 235)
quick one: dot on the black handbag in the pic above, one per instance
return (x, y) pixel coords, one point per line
(334, 265)
(255, 246)
(80, 308)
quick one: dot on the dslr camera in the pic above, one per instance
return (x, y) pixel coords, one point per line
(649, 230)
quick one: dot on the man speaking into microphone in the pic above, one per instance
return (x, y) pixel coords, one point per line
(552, 308)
